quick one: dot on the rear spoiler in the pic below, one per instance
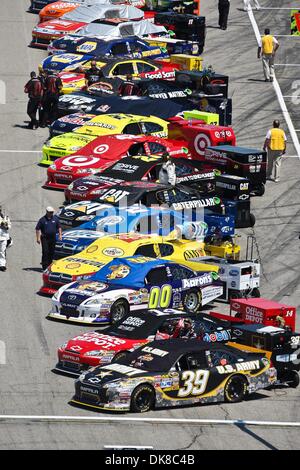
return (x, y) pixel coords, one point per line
(246, 348)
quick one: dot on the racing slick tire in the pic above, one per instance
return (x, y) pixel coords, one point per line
(120, 355)
(235, 389)
(142, 398)
(192, 301)
(118, 310)
(292, 379)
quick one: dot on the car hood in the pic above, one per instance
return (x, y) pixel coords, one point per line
(63, 60)
(101, 342)
(70, 140)
(105, 374)
(58, 26)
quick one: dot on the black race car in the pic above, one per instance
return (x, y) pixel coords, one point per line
(144, 193)
(90, 103)
(138, 167)
(175, 372)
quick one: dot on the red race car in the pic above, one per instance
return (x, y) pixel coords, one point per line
(76, 19)
(101, 347)
(103, 152)
(200, 135)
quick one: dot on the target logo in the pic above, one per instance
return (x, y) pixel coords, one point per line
(201, 142)
(101, 149)
(80, 161)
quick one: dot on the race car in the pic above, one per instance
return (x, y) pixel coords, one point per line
(185, 200)
(111, 67)
(135, 329)
(75, 20)
(134, 283)
(139, 168)
(107, 124)
(86, 263)
(113, 220)
(104, 152)
(89, 47)
(58, 9)
(68, 123)
(172, 373)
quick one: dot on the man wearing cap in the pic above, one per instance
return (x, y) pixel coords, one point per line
(46, 229)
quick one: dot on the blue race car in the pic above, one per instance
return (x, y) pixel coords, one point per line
(132, 46)
(72, 50)
(134, 283)
(112, 220)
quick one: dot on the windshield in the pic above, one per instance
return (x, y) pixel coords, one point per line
(135, 326)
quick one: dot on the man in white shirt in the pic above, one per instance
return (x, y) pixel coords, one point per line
(5, 225)
(167, 173)
(247, 4)
(266, 50)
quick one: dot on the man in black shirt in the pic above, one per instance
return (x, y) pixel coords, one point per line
(94, 74)
(46, 229)
(53, 86)
(35, 91)
(224, 6)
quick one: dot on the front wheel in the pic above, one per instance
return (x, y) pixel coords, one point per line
(236, 388)
(142, 399)
(192, 301)
(252, 220)
(118, 310)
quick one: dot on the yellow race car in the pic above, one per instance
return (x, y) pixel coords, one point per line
(103, 250)
(106, 124)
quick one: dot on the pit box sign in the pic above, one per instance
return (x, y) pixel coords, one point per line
(295, 22)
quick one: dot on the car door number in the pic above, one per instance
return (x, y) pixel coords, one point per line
(194, 382)
(160, 297)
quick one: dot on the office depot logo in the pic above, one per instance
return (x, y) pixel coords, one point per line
(254, 315)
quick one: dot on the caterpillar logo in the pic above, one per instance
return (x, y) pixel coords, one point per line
(193, 254)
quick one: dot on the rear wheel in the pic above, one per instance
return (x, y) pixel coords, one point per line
(192, 301)
(235, 294)
(236, 388)
(142, 399)
(255, 292)
(259, 190)
(118, 310)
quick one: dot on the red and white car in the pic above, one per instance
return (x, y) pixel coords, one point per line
(58, 9)
(103, 152)
(74, 20)
(101, 347)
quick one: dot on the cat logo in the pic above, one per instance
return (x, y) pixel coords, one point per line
(244, 186)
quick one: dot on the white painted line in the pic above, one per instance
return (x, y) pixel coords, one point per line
(278, 91)
(108, 419)
(287, 65)
(20, 151)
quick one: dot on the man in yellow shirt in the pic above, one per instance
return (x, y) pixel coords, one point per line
(275, 144)
(266, 50)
